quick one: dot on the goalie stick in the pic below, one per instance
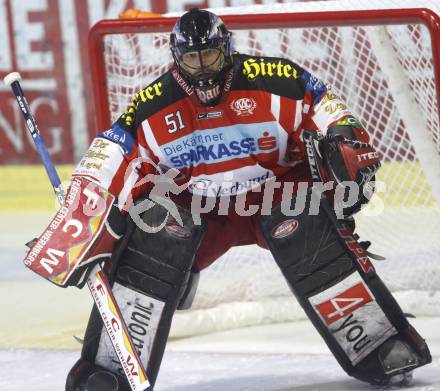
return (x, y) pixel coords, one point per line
(97, 281)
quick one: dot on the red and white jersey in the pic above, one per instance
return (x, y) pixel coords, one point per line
(252, 135)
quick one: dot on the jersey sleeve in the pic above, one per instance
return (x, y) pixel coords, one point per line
(119, 160)
(329, 112)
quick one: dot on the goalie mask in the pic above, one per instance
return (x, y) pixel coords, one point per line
(201, 47)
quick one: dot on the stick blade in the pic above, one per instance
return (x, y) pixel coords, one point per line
(11, 77)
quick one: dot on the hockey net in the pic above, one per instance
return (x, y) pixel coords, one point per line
(385, 65)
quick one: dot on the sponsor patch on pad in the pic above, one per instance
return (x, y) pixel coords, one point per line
(354, 318)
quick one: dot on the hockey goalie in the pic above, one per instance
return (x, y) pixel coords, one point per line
(211, 155)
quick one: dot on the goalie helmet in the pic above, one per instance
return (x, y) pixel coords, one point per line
(201, 47)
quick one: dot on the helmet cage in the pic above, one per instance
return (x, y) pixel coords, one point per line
(216, 36)
(204, 78)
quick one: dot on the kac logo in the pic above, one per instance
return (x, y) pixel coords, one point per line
(243, 106)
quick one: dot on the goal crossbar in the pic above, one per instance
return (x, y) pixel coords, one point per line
(253, 21)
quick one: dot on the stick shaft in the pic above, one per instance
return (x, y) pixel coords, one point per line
(36, 136)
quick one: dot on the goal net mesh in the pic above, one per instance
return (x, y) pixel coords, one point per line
(244, 286)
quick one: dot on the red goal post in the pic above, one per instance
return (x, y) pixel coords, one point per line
(394, 90)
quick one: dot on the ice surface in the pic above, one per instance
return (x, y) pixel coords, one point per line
(45, 370)
(283, 357)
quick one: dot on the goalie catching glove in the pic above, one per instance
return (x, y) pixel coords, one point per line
(338, 159)
(349, 160)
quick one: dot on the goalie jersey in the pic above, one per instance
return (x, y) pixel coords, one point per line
(253, 134)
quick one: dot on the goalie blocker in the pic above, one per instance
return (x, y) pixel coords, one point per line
(345, 299)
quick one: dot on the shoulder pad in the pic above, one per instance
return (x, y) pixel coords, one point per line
(272, 74)
(254, 67)
(159, 94)
(142, 97)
